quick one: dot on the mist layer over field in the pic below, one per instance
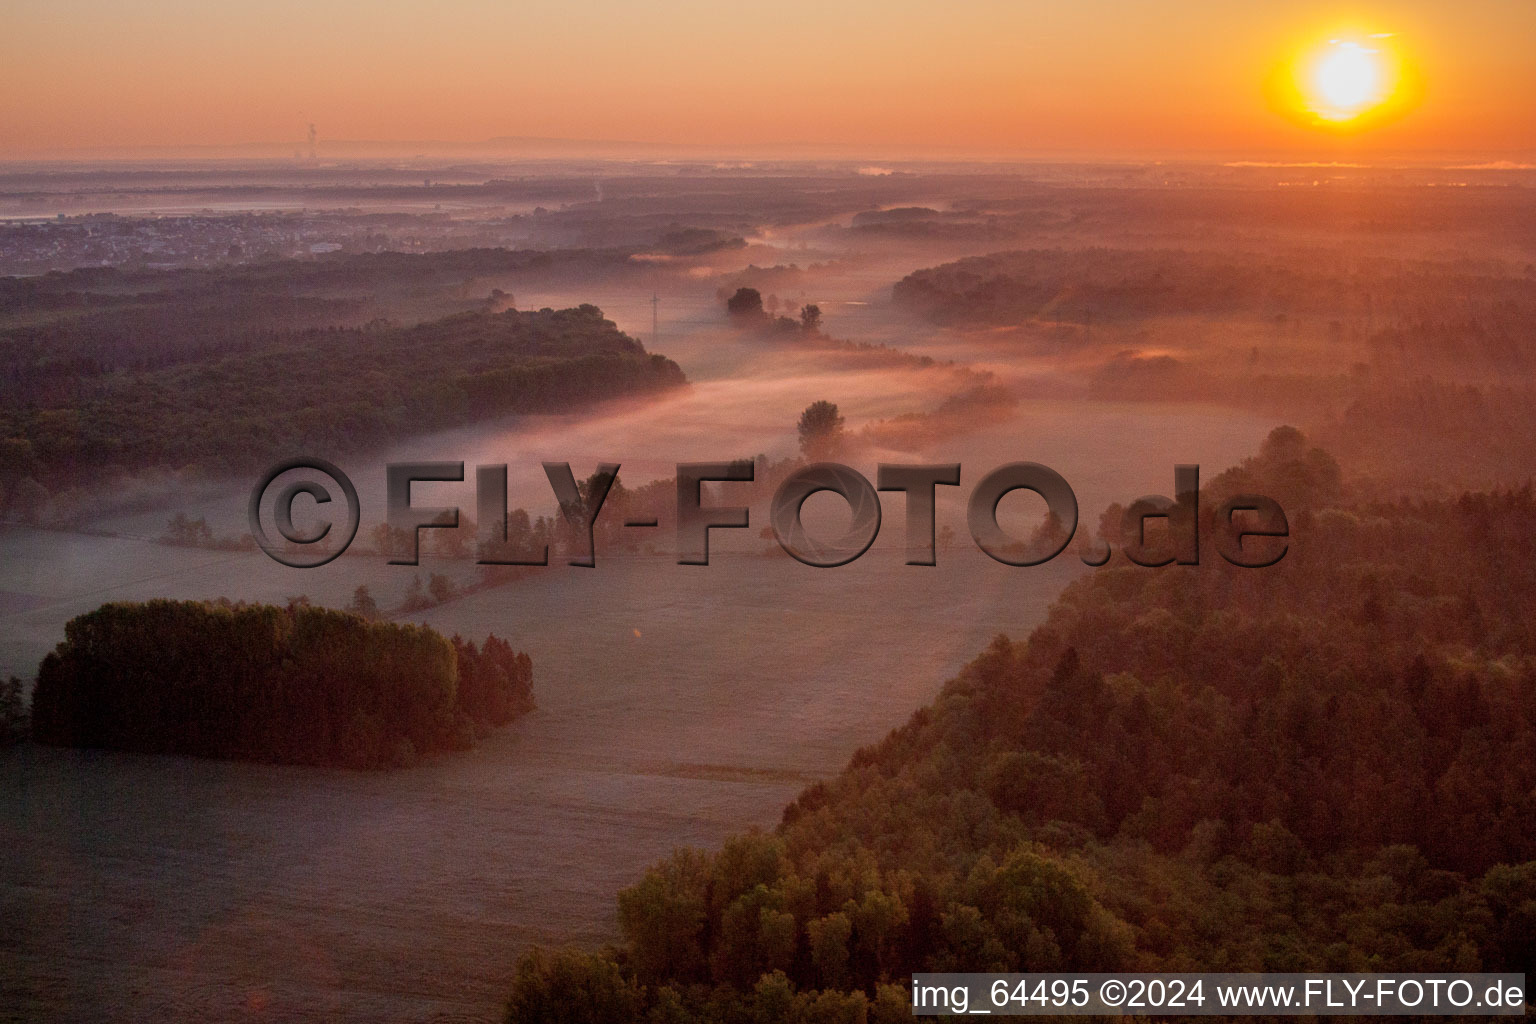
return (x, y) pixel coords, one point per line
(1107, 322)
(676, 704)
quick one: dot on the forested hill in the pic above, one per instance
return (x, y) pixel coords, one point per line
(329, 390)
(1325, 765)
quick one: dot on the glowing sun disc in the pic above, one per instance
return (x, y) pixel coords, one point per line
(1345, 79)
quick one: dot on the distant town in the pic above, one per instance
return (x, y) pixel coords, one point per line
(37, 246)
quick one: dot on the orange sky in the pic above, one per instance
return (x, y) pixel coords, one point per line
(1124, 78)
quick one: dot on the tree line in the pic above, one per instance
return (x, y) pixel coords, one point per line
(294, 685)
(320, 389)
(1083, 285)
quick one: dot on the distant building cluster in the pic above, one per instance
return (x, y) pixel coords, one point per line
(159, 242)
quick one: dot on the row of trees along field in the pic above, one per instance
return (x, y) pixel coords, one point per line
(1325, 765)
(296, 685)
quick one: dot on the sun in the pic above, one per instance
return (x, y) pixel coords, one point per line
(1346, 78)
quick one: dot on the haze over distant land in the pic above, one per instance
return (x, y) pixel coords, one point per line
(347, 152)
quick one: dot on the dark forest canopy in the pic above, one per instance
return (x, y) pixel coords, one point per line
(327, 389)
(296, 685)
(1325, 765)
(98, 320)
(87, 289)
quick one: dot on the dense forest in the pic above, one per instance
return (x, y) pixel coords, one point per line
(337, 353)
(295, 685)
(326, 389)
(1107, 285)
(96, 320)
(1329, 764)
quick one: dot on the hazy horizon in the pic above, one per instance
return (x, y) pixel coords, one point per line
(975, 80)
(530, 150)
